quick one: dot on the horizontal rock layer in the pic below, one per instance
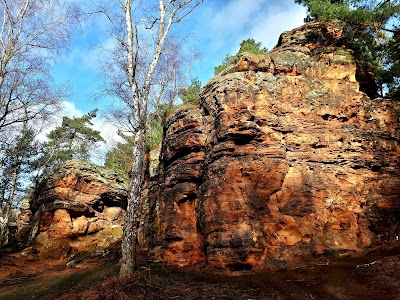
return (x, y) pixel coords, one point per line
(285, 159)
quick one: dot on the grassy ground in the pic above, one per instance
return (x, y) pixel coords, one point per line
(373, 276)
(57, 281)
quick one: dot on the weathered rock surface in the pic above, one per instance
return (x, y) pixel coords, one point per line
(78, 208)
(285, 159)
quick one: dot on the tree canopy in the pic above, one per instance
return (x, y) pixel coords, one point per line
(119, 159)
(249, 45)
(191, 94)
(373, 32)
(73, 139)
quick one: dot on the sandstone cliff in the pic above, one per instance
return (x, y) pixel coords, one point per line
(284, 159)
(77, 208)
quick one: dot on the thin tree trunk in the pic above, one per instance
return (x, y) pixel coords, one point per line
(4, 232)
(3, 227)
(129, 239)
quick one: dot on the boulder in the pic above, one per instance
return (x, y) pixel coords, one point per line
(78, 207)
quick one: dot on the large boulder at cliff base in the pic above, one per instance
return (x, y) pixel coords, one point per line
(78, 207)
(286, 159)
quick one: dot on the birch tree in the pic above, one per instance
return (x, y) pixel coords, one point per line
(32, 32)
(146, 26)
(17, 162)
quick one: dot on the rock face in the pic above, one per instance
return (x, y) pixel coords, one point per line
(285, 159)
(78, 208)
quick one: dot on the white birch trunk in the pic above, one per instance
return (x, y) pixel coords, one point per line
(129, 239)
(140, 100)
(4, 218)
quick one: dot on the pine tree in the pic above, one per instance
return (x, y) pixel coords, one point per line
(249, 45)
(73, 139)
(191, 94)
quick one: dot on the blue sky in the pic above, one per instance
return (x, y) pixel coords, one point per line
(215, 28)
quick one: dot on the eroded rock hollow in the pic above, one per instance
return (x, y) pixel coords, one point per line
(284, 159)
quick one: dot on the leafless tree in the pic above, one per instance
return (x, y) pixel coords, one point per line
(171, 75)
(145, 26)
(32, 33)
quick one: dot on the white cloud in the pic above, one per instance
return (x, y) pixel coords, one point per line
(268, 29)
(108, 131)
(89, 58)
(84, 58)
(68, 109)
(236, 15)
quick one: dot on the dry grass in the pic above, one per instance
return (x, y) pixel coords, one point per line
(141, 286)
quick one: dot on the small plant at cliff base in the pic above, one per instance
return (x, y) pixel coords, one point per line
(249, 45)
(191, 94)
(373, 32)
(73, 139)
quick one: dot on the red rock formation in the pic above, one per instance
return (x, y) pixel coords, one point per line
(77, 208)
(285, 159)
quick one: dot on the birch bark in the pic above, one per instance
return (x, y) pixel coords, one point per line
(169, 12)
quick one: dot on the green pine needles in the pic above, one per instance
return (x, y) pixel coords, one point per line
(73, 139)
(372, 30)
(249, 45)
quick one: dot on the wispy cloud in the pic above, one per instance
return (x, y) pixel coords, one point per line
(68, 109)
(234, 18)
